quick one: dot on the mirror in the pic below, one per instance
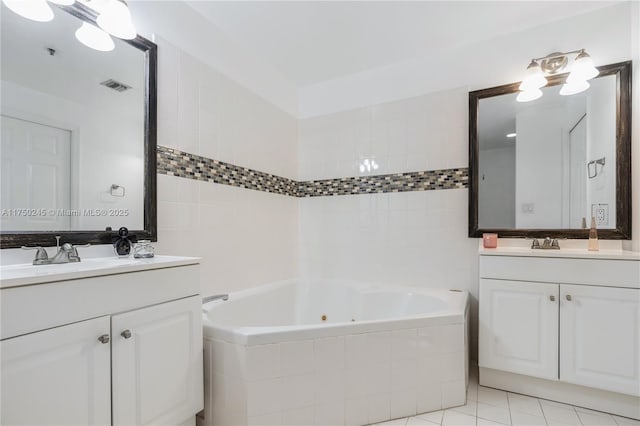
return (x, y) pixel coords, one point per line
(78, 144)
(546, 167)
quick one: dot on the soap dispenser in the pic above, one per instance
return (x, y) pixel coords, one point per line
(593, 236)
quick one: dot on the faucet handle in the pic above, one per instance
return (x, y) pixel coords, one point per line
(41, 255)
(73, 255)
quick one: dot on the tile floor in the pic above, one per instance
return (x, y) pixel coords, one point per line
(491, 407)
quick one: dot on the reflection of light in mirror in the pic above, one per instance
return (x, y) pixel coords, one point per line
(115, 19)
(36, 10)
(572, 88)
(511, 135)
(93, 37)
(368, 165)
(529, 95)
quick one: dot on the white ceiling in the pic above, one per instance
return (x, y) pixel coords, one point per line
(314, 41)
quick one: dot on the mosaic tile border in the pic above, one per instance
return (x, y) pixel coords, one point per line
(173, 162)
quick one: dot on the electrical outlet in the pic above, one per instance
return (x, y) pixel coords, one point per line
(601, 213)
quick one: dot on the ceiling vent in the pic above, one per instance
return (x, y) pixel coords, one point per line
(116, 85)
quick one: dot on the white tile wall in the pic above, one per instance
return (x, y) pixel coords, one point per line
(422, 133)
(351, 379)
(245, 238)
(415, 238)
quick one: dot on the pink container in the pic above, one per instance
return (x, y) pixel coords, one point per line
(490, 240)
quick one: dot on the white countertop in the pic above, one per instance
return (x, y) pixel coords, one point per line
(574, 253)
(28, 274)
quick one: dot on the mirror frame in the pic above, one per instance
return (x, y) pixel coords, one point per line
(13, 239)
(622, 71)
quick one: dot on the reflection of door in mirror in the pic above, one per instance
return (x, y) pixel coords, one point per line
(36, 161)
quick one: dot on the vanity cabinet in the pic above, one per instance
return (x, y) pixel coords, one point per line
(59, 376)
(600, 337)
(566, 329)
(157, 363)
(519, 327)
(137, 359)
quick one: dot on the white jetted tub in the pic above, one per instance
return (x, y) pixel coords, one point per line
(325, 353)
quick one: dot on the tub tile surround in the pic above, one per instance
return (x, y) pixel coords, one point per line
(406, 371)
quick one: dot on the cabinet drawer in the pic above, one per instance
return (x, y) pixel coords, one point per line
(36, 307)
(602, 272)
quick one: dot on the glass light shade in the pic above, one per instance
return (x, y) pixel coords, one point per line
(36, 10)
(93, 37)
(583, 70)
(529, 95)
(63, 2)
(116, 20)
(534, 78)
(571, 88)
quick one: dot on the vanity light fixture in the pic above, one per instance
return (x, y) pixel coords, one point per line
(113, 17)
(36, 10)
(93, 37)
(511, 135)
(582, 70)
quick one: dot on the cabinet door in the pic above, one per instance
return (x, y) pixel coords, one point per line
(157, 363)
(600, 337)
(519, 327)
(59, 376)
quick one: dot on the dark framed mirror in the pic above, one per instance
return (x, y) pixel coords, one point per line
(545, 167)
(79, 133)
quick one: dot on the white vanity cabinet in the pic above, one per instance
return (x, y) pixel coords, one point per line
(59, 376)
(519, 327)
(600, 337)
(118, 347)
(562, 328)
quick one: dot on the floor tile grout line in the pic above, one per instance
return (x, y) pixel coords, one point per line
(544, 416)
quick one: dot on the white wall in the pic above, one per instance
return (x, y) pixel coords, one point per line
(245, 237)
(497, 186)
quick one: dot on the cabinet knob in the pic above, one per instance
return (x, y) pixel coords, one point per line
(104, 339)
(568, 297)
(126, 334)
(552, 298)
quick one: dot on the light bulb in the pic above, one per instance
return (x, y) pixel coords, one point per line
(571, 88)
(63, 2)
(529, 95)
(534, 78)
(36, 10)
(93, 37)
(583, 69)
(115, 19)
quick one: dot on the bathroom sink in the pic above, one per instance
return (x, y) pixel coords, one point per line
(27, 274)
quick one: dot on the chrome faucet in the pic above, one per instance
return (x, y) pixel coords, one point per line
(67, 253)
(547, 244)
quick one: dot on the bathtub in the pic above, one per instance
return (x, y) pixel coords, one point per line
(327, 353)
